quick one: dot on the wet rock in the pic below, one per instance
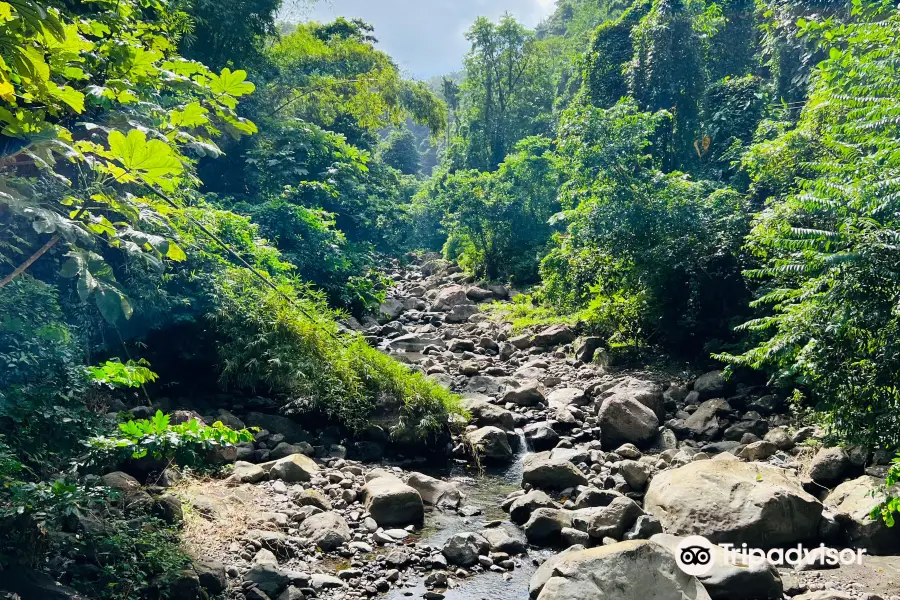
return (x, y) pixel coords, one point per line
(463, 549)
(540, 436)
(734, 502)
(504, 539)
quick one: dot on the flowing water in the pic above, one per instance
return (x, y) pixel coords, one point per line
(486, 491)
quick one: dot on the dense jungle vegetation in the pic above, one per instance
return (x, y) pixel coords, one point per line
(194, 197)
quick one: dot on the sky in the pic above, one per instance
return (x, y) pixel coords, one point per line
(425, 37)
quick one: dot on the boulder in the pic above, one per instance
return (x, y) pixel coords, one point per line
(463, 549)
(709, 420)
(284, 449)
(646, 392)
(295, 468)
(555, 335)
(504, 539)
(545, 525)
(312, 497)
(413, 342)
(623, 419)
(390, 309)
(743, 580)
(434, 491)
(567, 397)
(291, 430)
(526, 393)
(710, 385)
(608, 521)
(33, 585)
(586, 349)
(522, 507)
(211, 574)
(477, 294)
(327, 530)
(483, 412)
(392, 502)
(269, 578)
(461, 313)
(829, 466)
(491, 443)
(450, 296)
(545, 471)
(540, 436)
(545, 571)
(245, 472)
(852, 503)
(734, 502)
(635, 570)
(758, 451)
(121, 482)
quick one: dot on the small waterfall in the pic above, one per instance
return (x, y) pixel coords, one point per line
(513, 473)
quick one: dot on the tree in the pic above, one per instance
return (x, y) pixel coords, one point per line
(229, 32)
(399, 151)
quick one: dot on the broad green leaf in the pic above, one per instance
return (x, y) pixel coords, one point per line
(193, 115)
(154, 161)
(231, 83)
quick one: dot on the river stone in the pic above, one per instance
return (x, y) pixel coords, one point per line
(392, 502)
(527, 393)
(545, 525)
(504, 539)
(746, 580)
(829, 466)
(555, 335)
(608, 521)
(566, 397)
(645, 392)
(852, 503)
(461, 313)
(586, 348)
(413, 342)
(463, 549)
(545, 571)
(327, 530)
(269, 578)
(540, 436)
(245, 472)
(121, 482)
(390, 309)
(636, 570)
(545, 471)
(434, 491)
(734, 502)
(710, 385)
(295, 468)
(758, 451)
(312, 497)
(449, 297)
(491, 443)
(623, 419)
(709, 420)
(483, 412)
(522, 507)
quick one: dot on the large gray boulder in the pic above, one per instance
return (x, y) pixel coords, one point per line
(648, 393)
(555, 335)
(635, 570)
(741, 580)
(853, 503)
(490, 443)
(522, 507)
(483, 412)
(461, 313)
(327, 530)
(711, 385)
(545, 525)
(295, 468)
(623, 420)
(504, 539)
(434, 491)
(525, 393)
(448, 297)
(829, 466)
(612, 520)
(390, 501)
(734, 502)
(463, 549)
(545, 571)
(547, 471)
(567, 397)
(709, 420)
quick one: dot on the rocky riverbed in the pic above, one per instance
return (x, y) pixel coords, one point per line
(572, 480)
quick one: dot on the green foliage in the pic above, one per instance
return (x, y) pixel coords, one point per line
(828, 244)
(653, 257)
(188, 443)
(399, 151)
(115, 374)
(890, 504)
(294, 350)
(225, 33)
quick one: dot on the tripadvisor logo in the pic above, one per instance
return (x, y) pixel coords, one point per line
(697, 556)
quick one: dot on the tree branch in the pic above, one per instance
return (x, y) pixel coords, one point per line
(21, 268)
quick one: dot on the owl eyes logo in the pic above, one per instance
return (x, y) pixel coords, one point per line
(694, 555)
